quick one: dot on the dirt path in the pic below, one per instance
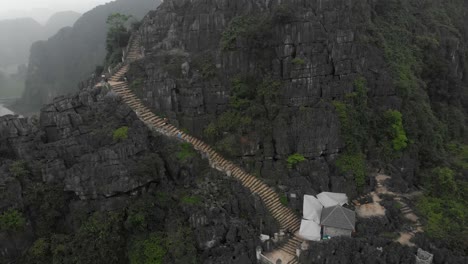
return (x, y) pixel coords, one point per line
(375, 209)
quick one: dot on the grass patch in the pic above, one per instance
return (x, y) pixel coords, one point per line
(283, 199)
(191, 200)
(148, 251)
(186, 152)
(298, 61)
(12, 220)
(19, 169)
(120, 133)
(294, 159)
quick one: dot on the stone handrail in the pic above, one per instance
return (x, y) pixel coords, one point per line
(265, 260)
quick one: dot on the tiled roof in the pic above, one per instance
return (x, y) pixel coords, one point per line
(338, 216)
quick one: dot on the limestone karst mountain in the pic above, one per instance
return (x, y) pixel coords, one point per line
(225, 114)
(16, 38)
(57, 65)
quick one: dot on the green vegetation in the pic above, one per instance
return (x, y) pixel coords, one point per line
(137, 220)
(283, 13)
(459, 154)
(295, 159)
(254, 29)
(444, 207)
(364, 129)
(298, 61)
(186, 152)
(180, 244)
(241, 26)
(410, 33)
(173, 64)
(399, 141)
(355, 128)
(251, 99)
(148, 251)
(117, 37)
(137, 83)
(229, 145)
(120, 133)
(206, 66)
(135, 234)
(19, 169)
(12, 220)
(191, 200)
(283, 199)
(356, 164)
(40, 248)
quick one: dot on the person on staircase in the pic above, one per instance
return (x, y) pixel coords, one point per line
(165, 121)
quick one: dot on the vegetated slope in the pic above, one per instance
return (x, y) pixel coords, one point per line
(314, 96)
(58, 64)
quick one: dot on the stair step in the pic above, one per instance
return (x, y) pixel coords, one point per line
(270, 198)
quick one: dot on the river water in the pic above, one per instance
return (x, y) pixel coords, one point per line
(3, 109)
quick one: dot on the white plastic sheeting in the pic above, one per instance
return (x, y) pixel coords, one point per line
(310, 230)
(328, 199)
(312, 209)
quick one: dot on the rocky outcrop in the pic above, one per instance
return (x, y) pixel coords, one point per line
(316, 53)
(71, 148)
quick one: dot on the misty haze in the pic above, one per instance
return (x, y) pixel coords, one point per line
(233, 132)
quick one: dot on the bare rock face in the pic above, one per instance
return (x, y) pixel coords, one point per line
(73, 161)
(317, 53)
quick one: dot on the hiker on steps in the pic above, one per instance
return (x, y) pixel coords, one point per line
(165, 121)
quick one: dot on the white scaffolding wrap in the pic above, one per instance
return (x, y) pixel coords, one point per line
(310, 230)
(328, 199)
(312, 209)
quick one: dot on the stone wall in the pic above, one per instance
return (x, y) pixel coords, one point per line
(335, 232)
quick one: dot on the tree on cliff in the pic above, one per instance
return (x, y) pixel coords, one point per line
(117, 37)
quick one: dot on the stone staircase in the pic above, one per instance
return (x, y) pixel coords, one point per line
(287, 219)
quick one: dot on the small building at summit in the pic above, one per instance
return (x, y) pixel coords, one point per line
(324, 217)
(337, 221)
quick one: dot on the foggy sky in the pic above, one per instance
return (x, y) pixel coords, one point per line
(40, 8)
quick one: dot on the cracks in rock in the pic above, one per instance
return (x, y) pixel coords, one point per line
(129, 192)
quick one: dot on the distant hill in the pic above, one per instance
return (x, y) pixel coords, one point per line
(57, 65)
(60, 20)
(41, 15)
(17, 36)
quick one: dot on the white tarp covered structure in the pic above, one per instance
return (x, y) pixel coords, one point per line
(310, 230)
(328, 199)
(312, 209)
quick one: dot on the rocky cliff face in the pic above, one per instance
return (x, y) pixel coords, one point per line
(65, 167)
(201, 54)
(328, 80)
(261, 81)
(316, 52)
